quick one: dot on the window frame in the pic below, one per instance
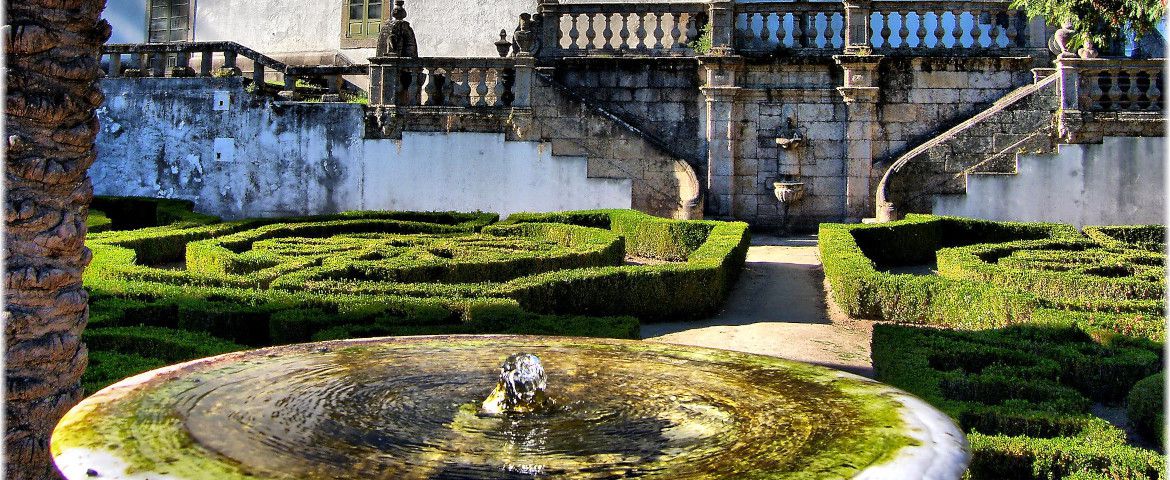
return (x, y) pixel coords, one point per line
(190, 37)
(370, 39)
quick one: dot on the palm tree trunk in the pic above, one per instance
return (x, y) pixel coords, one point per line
(53, 48)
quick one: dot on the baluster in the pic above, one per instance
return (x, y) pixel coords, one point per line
(939, 31)
(505, 87)
(590, 33)
(115, 65)
(798, 29)
(978, 19)
(1009, 29)
(814, 30)
(1097, 94)
(903, 30)
(624, 34)
(810, 27)
(460, 90)
(1114, 89)
(658, 33)
(640, 32)
(780, 32)
(499, 90)
(692, 32)
(675, 32)
(607, 33)
(994, 32)
(957, 31)
(1155, 91)
(765, 32)
(481, 87)
(885, 32)
(829, 32)
(1132, 93)
(431, 88)
(1086, 89)
(574, 33)
(205, 58)
(920, 33)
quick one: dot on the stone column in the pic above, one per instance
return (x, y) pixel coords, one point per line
(860, 93)
(719, 90)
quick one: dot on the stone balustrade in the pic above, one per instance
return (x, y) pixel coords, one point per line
(1113, 85)
(213, 58)
(888, 27)
(450, 82)
(979, 27)
(773, 26)
(651, 29)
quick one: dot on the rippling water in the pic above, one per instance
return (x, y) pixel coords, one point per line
(407, 409)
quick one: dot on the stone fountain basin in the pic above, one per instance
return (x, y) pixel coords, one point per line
(405, 407)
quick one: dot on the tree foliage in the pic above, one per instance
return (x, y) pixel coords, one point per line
(1098, 20)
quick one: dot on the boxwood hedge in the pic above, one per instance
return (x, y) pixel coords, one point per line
(1023, 394)
(273, 281)
(1023, 327)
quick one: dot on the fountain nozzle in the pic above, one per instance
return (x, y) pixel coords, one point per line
(521, 387)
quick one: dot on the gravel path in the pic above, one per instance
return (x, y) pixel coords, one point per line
(779, 308)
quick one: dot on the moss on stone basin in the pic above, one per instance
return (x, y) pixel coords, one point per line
(403, 408)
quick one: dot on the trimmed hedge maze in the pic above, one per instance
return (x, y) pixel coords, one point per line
(1022, 328)
(196, 287)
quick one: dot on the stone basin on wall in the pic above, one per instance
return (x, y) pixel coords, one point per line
(788, 193)
(405, 407)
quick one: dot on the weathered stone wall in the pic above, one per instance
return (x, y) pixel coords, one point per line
(917, 99)
(1117, 182)
(166, 138)
(659, 95)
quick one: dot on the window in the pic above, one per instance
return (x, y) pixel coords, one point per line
(169, 21)
(362, 19)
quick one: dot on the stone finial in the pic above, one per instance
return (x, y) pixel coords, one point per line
(503, 46)
(396, 37)
(399, 12)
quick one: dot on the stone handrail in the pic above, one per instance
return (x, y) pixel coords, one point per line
(972, 27)
(650, 29)
(1112, 85)
(215, 58)
(886, 210)
(453, 82)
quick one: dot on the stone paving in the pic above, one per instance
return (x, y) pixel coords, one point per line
(779, 308)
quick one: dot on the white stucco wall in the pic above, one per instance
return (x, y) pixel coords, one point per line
(1118, 182)
(480, 171)
(166, 138)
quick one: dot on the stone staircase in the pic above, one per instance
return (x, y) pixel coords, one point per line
(987, 143)
(663, 183)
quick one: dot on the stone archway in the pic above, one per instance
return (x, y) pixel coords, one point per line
(53, 67)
